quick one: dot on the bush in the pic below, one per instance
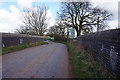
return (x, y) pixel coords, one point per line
(59, 38)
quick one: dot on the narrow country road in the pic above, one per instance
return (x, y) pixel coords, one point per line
(45, 61)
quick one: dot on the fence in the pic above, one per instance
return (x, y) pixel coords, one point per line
(105, 48)
(15, 39)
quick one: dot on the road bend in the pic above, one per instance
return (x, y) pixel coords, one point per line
(45, 61)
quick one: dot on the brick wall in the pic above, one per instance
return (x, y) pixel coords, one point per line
(105, 48)
(15, 39)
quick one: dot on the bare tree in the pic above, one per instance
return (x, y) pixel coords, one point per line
(78, 14)
(23, 30)
(82, 16)
(35, 20)
(101, 16)
(58, 28)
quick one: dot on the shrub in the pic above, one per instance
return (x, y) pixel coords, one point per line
(59, 38)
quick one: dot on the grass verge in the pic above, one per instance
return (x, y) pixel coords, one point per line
(84, 66)
(20, 47)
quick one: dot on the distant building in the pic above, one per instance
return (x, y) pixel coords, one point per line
(72, 33)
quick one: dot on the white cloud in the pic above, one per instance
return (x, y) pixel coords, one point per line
(9, 21)
(51, 20)
(14, 9)
(111, 6)
(25, 3)
(108, 5)
(113, 24)
(4, 27)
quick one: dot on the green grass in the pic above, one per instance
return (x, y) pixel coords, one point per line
(20, 47)
(84, 66)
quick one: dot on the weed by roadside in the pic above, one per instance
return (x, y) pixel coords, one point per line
(84, 66)
(20, 47)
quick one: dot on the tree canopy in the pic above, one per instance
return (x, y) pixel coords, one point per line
(35, 21)
(83, 17)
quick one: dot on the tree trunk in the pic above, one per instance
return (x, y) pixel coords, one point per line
(98, 28)
(78, 32)
(67, 33)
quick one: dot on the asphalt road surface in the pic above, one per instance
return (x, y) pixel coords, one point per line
(45, 61)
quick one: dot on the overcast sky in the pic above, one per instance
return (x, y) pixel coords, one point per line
(10, 11)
